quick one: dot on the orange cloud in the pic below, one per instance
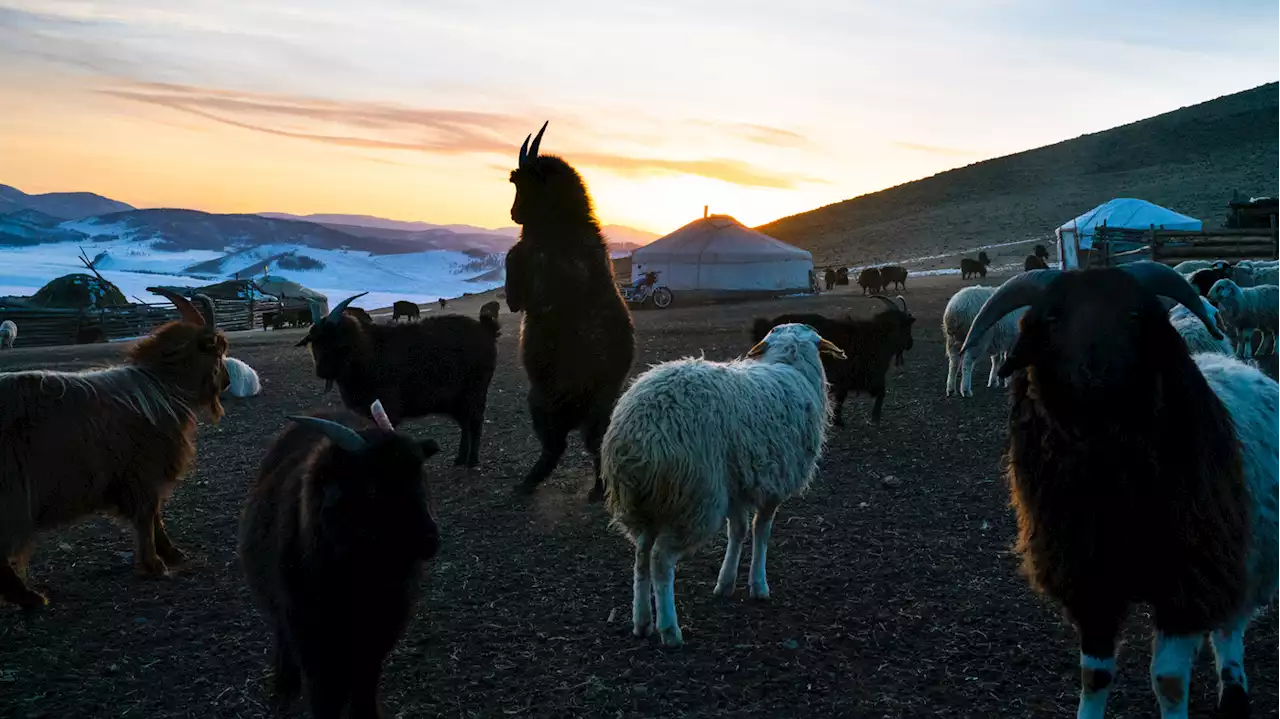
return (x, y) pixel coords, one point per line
(731, 171)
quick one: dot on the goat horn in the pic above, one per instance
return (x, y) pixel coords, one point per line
(524, 150)
(533, 149)
(903, 300)
(336, 314)
(187, 310)
(1164, 281)
(1018, 291)
(317, 315)
(340, 434)
(886, 300)
(212, 318)
(380, 416)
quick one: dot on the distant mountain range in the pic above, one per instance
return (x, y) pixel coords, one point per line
(81, 216)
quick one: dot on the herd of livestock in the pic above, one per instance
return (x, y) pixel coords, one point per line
(1141, 446)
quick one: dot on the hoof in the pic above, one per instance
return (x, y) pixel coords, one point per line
(760, 593)
(640, 631)
(671, 637)
(1234, 703)
(723, 590)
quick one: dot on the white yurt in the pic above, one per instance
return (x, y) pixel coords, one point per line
(1124, 212)
(718, 257)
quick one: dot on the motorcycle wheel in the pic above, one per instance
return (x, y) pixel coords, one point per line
(661, 298)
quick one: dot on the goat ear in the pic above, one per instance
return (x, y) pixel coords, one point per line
(429, 448)
(759, 349)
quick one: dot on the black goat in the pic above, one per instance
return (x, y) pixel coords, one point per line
(333, 536)
(969, 268)
(577, 340)
(870, 346)
(1034, 262)
(401, 308)
(870, 282)
(895, 275)
(441, 365)
(1205, 279)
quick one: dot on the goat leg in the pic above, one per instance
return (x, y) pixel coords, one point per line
(164, 546)
(146, 561)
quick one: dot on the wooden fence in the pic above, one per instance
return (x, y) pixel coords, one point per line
(1116, 246)
(47, 327)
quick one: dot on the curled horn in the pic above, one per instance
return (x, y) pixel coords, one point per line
(187, 310)
(211, 317)
(537, 140)
(887, 301)
(1165, 282)
(341, 434)
(317, 315)
(1018, 291)
(380, 416)
(335, 315)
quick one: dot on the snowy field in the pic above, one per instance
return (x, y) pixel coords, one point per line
(133, 266)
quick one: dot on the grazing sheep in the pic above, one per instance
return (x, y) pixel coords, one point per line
(113, 440)
(957, 317)
(401, 308)
(242, 380)
(1139, 474)
(1254, 273)
(8, 334)
(895, 275)
(1249, 309)
(675, 470)
(333, 536)
(870, 345)
(869, 280)
(577, 340)
(1034, 262)
(441, 365)
(829, 278)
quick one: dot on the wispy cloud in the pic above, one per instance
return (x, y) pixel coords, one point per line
(932, 149)
(381, 126)
(760, 134)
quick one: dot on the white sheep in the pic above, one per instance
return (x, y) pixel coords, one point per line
(1186, 268)
(693, 443)
(1249, 308)
(243, 380)
(1194, 333)
(956, 318)
(8, 334)
(1255, 274)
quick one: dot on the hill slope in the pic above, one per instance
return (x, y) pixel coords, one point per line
(1190, 160)
(63, 205)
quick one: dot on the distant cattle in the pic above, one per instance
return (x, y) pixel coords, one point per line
(1034, 262)
(869, 280)
(829, 278)
(1042, 253)
(291, 317)
(895, 275)
(401, 308)
(842, 276)
(978, 267)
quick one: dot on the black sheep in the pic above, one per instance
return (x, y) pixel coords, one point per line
(577, 340)
(870, 345)
(333, 537)
(1205, 279)
(441, 365)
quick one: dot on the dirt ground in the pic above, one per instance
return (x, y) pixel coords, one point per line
(894, 590)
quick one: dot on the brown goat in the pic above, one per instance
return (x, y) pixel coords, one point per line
(133, 427)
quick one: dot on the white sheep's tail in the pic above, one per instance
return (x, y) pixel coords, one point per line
(648, 491)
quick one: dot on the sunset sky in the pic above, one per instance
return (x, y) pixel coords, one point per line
(416, 110)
